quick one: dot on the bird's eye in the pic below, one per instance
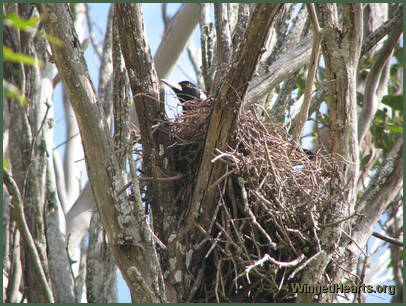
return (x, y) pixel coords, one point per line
(188, 84)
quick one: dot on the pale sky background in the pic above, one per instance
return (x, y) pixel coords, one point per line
(154, 30)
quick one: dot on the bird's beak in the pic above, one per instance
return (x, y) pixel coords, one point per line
(172, 84)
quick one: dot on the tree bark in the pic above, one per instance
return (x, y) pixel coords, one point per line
(341, 70)
(229, 98)
(179, 30)
(125, 225)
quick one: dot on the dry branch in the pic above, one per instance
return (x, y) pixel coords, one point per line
(125, 226)
(228, 102)
(179, 29)
(270, 203)
(25, 232)
(314, 61)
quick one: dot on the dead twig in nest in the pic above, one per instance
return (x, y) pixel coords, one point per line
(270, 205)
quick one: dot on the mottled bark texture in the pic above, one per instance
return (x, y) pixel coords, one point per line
(126, 226)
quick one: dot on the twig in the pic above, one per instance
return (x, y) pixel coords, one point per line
(317, 37)
(213, 245)
(96, 48)
(353, 241)
(355, 214)
(248, 210)
(220, 179)
(388, 239)
(196, 283)
(66, 141)
(299, 268)
(223, 154)
(165, 18)
(349, 272)
(362, 275)
(25, 231)
(162, 179)
(266, 258)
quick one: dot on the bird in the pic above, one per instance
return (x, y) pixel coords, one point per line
(185, 91)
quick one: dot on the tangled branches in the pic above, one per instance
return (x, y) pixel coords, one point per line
(270, 213)
(269, 207)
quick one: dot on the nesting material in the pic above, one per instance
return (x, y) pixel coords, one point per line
(190, 126)
(269, 209)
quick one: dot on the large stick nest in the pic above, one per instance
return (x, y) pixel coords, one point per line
(269, 210)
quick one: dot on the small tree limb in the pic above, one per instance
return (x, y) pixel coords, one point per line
(224, 46)
(229, 98)
(89, 23)
(385, 186)
(370, 103)
(125, 225)
(394, 241)
(180, 28)
(314, 60)
(279, 71)
(25, 232)
(382, 31)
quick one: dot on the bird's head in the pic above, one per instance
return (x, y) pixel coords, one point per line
(185, 90)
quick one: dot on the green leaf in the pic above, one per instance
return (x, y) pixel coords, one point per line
(22, 24)
(11, 56)
(380, 117)
(28, 25)
(394, 101)
(394, 128)
(53, 40)
(6, 163)
(13, 92)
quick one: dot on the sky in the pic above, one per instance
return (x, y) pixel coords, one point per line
(154, 31)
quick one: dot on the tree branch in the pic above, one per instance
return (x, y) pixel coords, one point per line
(196, 61)
(207, 42)
(279, 71)
(394, 241)
(89, 23)
(145, 89)
(229, 98)
(382, 31)
(141, 71)
(340, 67)
(383, 188)
(370, 103)
(164, 13)
(15, 274)
(314, 61)
(179, 30)
(126, 225)
(105, 88)
(25, 232)
(224, 47)
(242, 21)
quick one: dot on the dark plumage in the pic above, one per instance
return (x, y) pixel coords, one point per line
(185, 91)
